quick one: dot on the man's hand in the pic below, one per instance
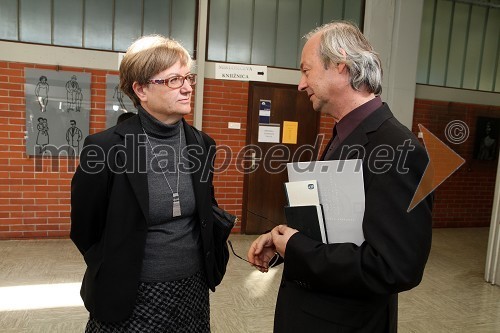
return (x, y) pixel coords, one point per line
(280, 236)
(261, 252)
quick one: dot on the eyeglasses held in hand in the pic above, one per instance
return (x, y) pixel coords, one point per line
(272, 262)
(176, 82)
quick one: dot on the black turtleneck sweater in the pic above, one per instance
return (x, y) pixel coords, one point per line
(173, 248)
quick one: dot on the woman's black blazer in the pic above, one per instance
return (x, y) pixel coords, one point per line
(109, 214)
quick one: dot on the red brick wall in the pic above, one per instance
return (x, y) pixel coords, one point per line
(223, 102)
(466, 198)
(36, 204)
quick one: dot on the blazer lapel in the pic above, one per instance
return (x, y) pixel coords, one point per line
(200, 185)
(353, 145)
(135, 163)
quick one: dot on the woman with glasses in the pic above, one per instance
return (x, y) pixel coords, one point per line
(142, 204)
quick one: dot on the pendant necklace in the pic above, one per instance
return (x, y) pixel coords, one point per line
(176, 203)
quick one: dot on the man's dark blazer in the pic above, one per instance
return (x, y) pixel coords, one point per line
(110, 212)
(346, 288)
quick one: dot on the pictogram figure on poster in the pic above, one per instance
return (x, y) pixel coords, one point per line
(118, 94)
(42, 138)
(74, 95)
(73, 137)
(42, 93)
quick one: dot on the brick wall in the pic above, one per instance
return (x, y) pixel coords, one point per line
(466, 198)
(223, 102)
(34, 191)
(36, 204)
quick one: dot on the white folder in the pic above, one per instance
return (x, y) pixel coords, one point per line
(341, 193)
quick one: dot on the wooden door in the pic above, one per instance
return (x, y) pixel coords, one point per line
(264, 196)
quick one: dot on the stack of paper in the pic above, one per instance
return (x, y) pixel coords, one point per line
(304, 212)
(341, 193)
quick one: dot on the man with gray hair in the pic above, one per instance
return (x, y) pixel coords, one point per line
(344, 287)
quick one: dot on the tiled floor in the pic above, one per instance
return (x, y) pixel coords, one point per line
(39, 284)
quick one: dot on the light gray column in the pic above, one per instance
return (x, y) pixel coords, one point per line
(393, 28)
(201, 47)
(492, 269)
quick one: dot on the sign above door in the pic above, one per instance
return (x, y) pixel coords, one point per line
(240, 72)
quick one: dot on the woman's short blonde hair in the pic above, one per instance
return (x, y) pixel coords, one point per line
(146, 57)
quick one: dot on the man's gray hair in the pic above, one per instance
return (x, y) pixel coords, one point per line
(362, 61)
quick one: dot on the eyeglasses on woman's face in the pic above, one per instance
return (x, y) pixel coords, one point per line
(177, 81)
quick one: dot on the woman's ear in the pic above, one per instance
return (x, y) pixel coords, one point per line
(139, 91)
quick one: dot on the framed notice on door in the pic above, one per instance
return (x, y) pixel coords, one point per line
(269, 133)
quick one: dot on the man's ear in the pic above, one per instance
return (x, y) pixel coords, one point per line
(341, 66)
(139, 91)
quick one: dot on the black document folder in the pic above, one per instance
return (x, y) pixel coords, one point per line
(308, 220)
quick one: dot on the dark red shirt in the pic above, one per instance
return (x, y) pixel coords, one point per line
(349, 122)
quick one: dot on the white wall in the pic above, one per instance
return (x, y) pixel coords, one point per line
(457, 95)
(492, 269)
(55, 55)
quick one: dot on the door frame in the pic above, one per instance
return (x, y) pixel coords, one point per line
(249, 138)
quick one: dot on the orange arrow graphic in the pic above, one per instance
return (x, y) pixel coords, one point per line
(443, 162)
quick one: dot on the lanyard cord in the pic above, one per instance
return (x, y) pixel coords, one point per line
(178, 163)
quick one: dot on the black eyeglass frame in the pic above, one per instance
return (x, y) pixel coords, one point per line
(167, 82)
(272, 263)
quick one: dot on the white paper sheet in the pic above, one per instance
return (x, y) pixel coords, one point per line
(302, 193)
(341, 192)
(269, 133)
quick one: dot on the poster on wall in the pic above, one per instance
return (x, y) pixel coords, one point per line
(290, 130)
(57, 111)
(117, 103)
(486, 142)
(264, 111)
